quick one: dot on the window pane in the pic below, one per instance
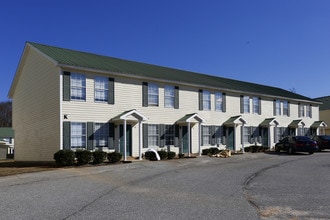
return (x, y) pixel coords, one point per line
(256, 105)
(206, 135)
(285, 108)
(169, 96)
(152, 94)
(78, 86)
(101, 89)
(101, 134)
(169, 135)
(246, 104)
(218, 101)
(153, 135)
(206, 100)
(278, 107)
(78, 135)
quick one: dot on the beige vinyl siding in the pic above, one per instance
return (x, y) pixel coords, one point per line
(36, 109)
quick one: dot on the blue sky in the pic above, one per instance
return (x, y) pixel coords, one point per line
(281, 43)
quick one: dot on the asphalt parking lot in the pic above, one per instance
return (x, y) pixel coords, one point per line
(249, 186)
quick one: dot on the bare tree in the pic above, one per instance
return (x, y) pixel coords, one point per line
(6, 114)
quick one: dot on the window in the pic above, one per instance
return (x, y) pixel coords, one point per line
(101, 134)
(206, 135)
(256, 105)
(246, 134)
(246, 104)
(153, 135)
(277, 134)
(286, 108)
(101, 87)
(206, 100)
(78, 135)
(301, 110)
(278, 107)
(78, 87)
(169, 97)
(153, 94)
(218, 134)
(169, 135)
(309, 111)
(218, 101)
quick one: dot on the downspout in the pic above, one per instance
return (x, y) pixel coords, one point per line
(140, 140)
(189, 147)
(199, 139)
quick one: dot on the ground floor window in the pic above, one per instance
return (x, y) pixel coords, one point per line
(78, 135)
(206, 133)
(101, 134)
(153, 135)
(246, 134)
(169, 134)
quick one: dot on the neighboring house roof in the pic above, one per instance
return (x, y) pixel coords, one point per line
(77, 59)
(6, 133)
(325, 103)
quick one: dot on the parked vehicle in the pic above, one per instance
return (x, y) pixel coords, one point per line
(323, 141)
(297, 144)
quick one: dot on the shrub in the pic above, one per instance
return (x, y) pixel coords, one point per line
(181, 155)
(205, 151)
(83, 157)
(162, 154)
(114, 157)
(99, 157)
(170, 155)
(214, 150)
(150, 155)
(64, 157)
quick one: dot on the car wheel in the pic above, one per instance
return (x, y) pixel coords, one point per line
(277, 149)
(311, 152)
(290, 150)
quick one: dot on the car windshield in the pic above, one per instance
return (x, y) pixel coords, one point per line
(302, 138)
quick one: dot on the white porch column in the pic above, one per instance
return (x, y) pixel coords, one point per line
(242, 137)
(199, 138)
(140, 140)
(125, 156)
(189, 139)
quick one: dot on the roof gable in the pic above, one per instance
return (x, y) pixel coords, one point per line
(72, 58)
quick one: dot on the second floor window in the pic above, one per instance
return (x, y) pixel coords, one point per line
(218, 101)
(256, 105)
(169, 96)
(301, 110)
(277, 107)
(286, 108)
(78, 87)
(206, 100)
(153, 94)
(309, 111)
(101, 88)
(246, 104)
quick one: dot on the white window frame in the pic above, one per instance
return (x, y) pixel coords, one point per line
(153, 94)
(206, 100)
(169, 135)
(218, 135)
(169, 96)
(78, 135)
(101, 135)
(78, 87)
(101, 89)
(285, 108)
(218, 101)
(308, 111)
(302, 110)
(153, 135)
(255, 104)
(278, 107)
(206, 136)
(246, 134)
(246, 104)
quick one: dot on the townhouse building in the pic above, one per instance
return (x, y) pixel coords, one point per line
(67, 99)
(324, 113)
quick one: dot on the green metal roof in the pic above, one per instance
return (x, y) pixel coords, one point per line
(67, 57)
(6, 133)
(325, 103)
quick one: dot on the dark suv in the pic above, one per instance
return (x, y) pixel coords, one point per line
(297, 144)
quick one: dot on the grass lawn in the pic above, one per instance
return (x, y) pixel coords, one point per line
(11, 167)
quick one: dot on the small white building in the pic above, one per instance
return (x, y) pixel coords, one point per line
(67, 99)
(6, 142)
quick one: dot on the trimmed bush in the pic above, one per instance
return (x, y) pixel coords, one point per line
(64, 158)
(99, 157)
(205, 151)
(170, 155)
(150, 155)
(114, 157)
(162, 154)
(83, 157)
